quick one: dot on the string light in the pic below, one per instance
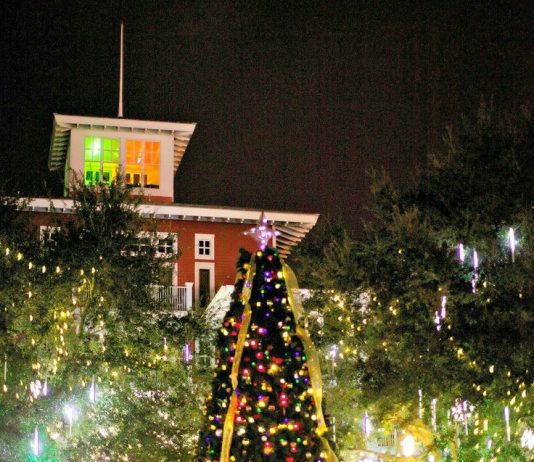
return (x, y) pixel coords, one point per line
(408, 446)
(461, 253)
(35, 443)
(187, 353)
(420, 394)
(433, 411)
(70, 416)
(92, 391)
(367, 426)
(507, 422)
(512, 242)
(527, 439)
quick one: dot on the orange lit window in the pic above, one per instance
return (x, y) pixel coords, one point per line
(142, 163)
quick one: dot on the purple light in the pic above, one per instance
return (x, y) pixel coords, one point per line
(512, 242)
(475, 259)
(475, 275)
(437, 321)
(333, 351)
(367, 427)
(461, 252)
(261, 232)
(92, 391)
(187, 353)
(36, 445)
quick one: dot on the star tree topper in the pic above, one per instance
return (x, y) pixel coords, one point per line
(262, 232)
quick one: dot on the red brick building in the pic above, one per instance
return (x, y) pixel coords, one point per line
(149, 153)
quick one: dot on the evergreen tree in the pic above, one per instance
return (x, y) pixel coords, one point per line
(310, 258)
(263, 398)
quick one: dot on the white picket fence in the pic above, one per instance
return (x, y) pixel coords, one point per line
(175, 296)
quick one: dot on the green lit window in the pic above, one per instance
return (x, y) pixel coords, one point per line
(101, 160)
(142, 165)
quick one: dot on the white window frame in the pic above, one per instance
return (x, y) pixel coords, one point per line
(205, 237)
(163, 235)
(209, 266)
(154, 241)
(43, 230)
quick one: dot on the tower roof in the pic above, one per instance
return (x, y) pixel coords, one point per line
(63, 124)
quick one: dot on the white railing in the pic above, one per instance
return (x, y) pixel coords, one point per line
(175, 296)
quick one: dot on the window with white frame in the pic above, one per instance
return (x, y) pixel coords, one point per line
(165, 244)
(47, 234)
(205, 246)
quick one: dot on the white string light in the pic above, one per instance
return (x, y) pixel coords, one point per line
(507, 422)
(512, 242)
(461, 252)
(35, 444)
(92, 391)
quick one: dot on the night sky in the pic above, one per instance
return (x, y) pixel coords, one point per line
(295, 101)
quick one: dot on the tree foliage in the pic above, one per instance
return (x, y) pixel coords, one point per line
(80, 316)
(407, 344)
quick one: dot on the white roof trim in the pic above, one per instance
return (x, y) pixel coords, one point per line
(293, 226)
(63, 124)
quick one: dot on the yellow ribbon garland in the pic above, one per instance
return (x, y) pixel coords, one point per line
(313, 361)
(314, 367)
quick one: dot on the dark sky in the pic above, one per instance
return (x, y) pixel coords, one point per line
(295, 101)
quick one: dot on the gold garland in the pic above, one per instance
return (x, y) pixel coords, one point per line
(314, 367)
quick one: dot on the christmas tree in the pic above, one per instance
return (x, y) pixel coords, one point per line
(266, 392)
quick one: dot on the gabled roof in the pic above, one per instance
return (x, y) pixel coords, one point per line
(63, 124)
(293, 226)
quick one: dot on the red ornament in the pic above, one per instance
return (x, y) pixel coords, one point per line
(268, 448)
(283, 400)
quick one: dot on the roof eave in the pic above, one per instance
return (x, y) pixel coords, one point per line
(63, 124)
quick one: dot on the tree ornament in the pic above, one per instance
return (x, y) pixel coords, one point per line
(262, 234)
